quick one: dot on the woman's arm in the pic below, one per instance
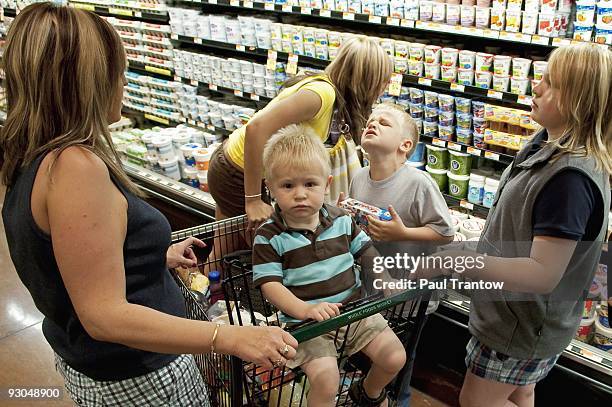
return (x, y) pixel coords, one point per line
(88, 220)
(299, 107)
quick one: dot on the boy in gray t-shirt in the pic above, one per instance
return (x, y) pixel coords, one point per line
(418, 210)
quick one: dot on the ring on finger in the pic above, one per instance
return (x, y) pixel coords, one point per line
(285, 350)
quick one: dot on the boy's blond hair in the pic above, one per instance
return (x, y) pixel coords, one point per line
(409, 127)
(295, 146)
(581, 74)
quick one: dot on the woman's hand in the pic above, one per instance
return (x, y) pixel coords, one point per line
(265, 346)
(257, 212)
(181, 254)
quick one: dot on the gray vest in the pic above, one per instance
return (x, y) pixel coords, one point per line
(523, 325)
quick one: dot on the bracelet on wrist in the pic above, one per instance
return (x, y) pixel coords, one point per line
(214, 337)
(252, 196)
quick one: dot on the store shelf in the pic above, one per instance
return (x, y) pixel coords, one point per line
(208, 127)
(464, 148)
(139, 11)
(472, 91)
(149, 113)
(227, 91)
(478, 210)
(409, 25)
(190, 196)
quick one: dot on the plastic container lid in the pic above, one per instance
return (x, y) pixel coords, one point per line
(181, 138)
(477, 178)
(492, 182)
(189, 147)
(168, 163)
(190, 172)
(214, 277)
(458, 177)
(434, 171)
(202, 154)
(160, 141)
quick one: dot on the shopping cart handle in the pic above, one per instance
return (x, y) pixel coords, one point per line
(308, 331)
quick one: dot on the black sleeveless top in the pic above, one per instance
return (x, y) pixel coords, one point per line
(148, 282)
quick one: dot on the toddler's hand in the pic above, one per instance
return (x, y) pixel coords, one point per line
(322, 311)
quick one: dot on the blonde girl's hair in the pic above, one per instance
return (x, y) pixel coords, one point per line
(359, 73)
(581, 74)
(63, 68)
(297, 147)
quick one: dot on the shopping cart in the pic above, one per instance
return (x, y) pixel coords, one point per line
(233, 382)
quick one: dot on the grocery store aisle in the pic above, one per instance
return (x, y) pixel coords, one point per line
(25, 356)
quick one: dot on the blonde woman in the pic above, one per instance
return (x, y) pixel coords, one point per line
(92, 253)
(350, 85)
(544, 233)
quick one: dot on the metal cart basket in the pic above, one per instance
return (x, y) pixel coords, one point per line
(233, 382)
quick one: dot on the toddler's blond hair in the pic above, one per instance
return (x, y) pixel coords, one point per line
(409, 127)
(295, 146)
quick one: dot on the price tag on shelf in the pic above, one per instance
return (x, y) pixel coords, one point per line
(375, 19)
(120, 11)
(157, 119)
(438, 142)
(238, 93)
(287, 8)
(491, 155)
(505, 35)
(559, 42)
(490, 34)
(235, 3)
(467, 205)
(193, 82)
(393, 21)
(88, 7)
(493, 94)
(325, 13)
(590, 355)
(240, 48)
(212, 87)
(254, 96)
(292, 64)
(197, 40)
(269, 6)
(421, 25)
(407, 23)
(272, 56)
(174, 36)
(192, 122)
(453, 146)
(247, 4)
(457, 87)
(210, 127)
(177, 78)
(474, 151)
(424, 81)
(306, 10)
(160, 71)
(524, 100)
(348, 16)
(538, 39)
(212, 1)
(395, 84)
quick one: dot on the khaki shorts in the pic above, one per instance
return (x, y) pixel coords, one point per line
(226, 184)
(360, 334)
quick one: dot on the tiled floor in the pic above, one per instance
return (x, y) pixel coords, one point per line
(26, 360)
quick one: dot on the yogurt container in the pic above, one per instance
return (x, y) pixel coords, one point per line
(519, 85)
(448, 73)
(458, 185)
(585, 12)
(603, 337)
(432, 71)
(437, 157)
(604, 13)
(472, 228)
(490, 190)
(483, 79)
(465, 76)
(449, 56)
(464, 136)
(467, 59)
(426, 11)
(170, 168)
(483, 61)
(456, 223)
(202, 158)
(476, 188)
(501, 82)
(415, 67)
(459, 237)
(203, 182)
(432, 54)
(430, 99)
(468, 15)
(539, 67)
(585, 329)
(583, 32)
(463, 105)
(460, 163)
(164, 149)
(446, 132)
(439, 176)
(417, 51)
(188, 151)
(483, 15)
(191, 176)
(501, 64)
(520, 67)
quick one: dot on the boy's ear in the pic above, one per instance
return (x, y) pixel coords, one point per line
(329, 181)
(406, 146)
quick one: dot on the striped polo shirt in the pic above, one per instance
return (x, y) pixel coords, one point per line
(315, 266)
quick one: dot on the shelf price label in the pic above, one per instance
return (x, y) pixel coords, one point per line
(287, 8)
(375, 19)
(197, 40)
(306, 10)
(421, 25)
(240, 48)
(212, 1)
(292, 64)
(407, 23)
(490, 34)
(493, 94)
(453, 146)
(160, 71)
(491, 155)
(590, 355)
(88, 7)
(524, 100)
(269, 6)
(238, 93)
(192, 122)
(457, 87)
(254, 96)
(247, 4)
(272, 56)
(424, 81)
(348, 16)
(467, 205)
(393, 21)
(325, 13)
(193, 82)
(538, 39)
(235, 3)
(212, 87)
(210, 127)
(120, 11)
(157, 119)
(174, 36)
(438, 142)
(474, 151)
(395, 84)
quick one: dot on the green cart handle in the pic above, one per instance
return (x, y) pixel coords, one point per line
(309, 331)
